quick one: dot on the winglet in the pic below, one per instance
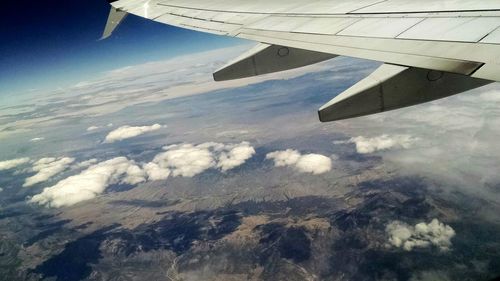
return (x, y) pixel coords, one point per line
(114, 19)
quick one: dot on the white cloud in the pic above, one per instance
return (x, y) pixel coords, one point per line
(10, 164)
(283, 158)
(422, 235)
(310, 163)
(37, 139)
(185, 160)
(47, 168)
(1, 189)
(155, 172)
(457, 143)
(134, 175)
(234, 156)
(84, 164)
(126, 132)
(188, 160)
(384, 142)
(90, 183)
(314, 164)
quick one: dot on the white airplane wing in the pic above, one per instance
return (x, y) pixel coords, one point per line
(431, 48)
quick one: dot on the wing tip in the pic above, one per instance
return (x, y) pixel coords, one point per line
(115, 18)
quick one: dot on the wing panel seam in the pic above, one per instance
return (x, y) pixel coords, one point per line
(355, 36)
(370, 5)
(476, 64)
(322, 14)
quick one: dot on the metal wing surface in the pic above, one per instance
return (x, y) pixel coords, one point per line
(431, 48)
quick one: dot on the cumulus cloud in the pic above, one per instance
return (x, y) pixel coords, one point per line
(126, 132)
(155, 172)
(314, 164)
(188, 160)
(366, 145)
(47, 168)
(134, 175)
(422, 235)
(185, 160)
(310, 163)
(10, 164)
(90, 183)
(283, 158)
(233, 156)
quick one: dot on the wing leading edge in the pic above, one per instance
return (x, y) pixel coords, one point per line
(430, 51)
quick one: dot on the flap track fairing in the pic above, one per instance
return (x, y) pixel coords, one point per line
(391, 87)
(264, 59)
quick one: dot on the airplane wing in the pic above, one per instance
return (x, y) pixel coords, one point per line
(430, 48)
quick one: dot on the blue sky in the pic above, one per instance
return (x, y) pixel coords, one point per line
(50, 44)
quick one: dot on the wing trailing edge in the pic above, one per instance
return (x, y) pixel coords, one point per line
(392, 87)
